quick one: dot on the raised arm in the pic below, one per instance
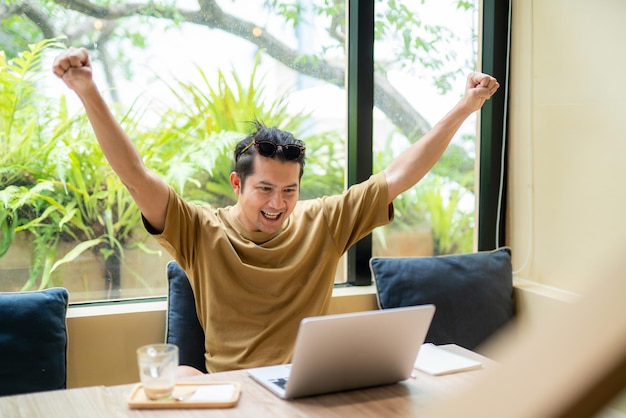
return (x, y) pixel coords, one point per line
(413, 164)
(148, 190)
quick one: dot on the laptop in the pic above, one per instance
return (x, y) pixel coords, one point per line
(341, 352)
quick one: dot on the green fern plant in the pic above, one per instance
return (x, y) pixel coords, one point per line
(214, 116)
(24, 148)
(55, 183)
(435, 201)
(453, 228)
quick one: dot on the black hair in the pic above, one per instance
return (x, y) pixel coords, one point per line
(244, 153)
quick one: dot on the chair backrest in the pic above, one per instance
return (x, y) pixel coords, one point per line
(182, 326)
(33, 341)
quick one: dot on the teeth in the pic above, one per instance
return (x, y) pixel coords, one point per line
(271, 215)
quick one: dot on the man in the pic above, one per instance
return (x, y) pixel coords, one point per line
(257, 268)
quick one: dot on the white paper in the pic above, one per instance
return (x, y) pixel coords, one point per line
(214, 393)
(437, 361)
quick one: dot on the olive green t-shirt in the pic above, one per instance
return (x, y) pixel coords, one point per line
(252, 289)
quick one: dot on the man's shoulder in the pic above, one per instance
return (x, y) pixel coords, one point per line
(198, 212)
(375, 181)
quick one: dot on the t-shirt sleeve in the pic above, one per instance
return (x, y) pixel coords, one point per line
(181, 221)
(360, 209)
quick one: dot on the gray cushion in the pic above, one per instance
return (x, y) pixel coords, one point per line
(472, 293)
(33, 341)
(182, 325)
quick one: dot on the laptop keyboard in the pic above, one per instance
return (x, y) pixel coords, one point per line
(280, 382)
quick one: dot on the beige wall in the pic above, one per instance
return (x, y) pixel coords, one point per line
(567, 141)
(567, 146)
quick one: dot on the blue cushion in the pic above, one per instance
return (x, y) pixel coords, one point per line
(33, 341)
(182, 326)
(472, 293)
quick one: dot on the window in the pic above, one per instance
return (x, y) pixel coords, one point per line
(177, 86)
(425, 56)
(422, 53)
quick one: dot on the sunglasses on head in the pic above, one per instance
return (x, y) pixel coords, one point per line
(268, 148)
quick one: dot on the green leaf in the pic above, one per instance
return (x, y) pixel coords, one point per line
(76, 251)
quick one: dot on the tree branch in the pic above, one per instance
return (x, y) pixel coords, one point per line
(37, 16)
(387, 98)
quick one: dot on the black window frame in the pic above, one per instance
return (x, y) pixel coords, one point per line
(360, 102)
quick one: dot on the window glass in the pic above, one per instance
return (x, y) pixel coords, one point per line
(184, 83)
(425, 49)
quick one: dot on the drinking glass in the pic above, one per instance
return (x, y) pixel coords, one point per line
(157, 369)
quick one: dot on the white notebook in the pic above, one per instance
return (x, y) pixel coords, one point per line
(437, 361)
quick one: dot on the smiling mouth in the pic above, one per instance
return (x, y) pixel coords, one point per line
(271, 216)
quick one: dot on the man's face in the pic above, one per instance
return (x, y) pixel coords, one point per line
(269, 195)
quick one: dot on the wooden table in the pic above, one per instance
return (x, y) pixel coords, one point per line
(405, 399)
